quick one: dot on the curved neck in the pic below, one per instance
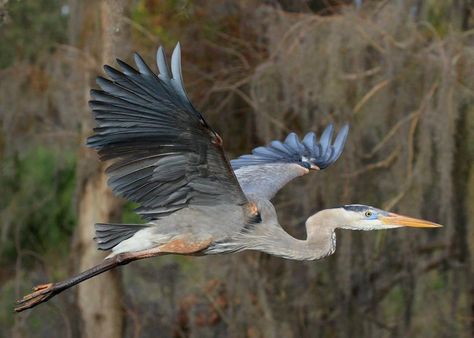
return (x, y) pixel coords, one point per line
(317, 245)
(274, 240)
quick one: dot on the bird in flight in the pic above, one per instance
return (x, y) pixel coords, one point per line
(166, 158)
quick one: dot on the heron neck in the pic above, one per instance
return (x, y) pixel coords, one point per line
(271, 238)
(318, 244)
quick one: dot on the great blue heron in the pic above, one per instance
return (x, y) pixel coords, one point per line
(167, 158)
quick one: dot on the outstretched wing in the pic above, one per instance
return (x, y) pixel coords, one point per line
(165, 156)
(265, 171)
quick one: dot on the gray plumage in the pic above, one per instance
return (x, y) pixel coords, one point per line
(263, 173)
(308, 152)
(166, 158)
(109, 235)
(265, 180)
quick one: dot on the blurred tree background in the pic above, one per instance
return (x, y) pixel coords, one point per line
(400, 72)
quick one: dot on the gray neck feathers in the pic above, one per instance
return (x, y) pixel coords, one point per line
(264, 181)
(279, 243)
(271, 238)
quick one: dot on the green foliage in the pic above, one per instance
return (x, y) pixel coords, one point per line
(439, 16)
(129, 215)
(38, 190)
(8, 298)
(31, 27)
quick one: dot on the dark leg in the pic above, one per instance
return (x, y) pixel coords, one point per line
(44, 292)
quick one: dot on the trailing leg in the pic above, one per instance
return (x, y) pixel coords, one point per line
(43, 292)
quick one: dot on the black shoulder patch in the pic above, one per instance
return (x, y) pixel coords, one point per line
(253, 218)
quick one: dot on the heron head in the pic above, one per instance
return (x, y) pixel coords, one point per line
(363, 217)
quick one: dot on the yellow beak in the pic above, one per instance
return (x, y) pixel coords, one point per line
(395, 219)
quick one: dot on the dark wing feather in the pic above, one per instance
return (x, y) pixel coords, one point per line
(322, 153)
(165, 156)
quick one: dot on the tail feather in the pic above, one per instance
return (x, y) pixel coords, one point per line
(108, 235)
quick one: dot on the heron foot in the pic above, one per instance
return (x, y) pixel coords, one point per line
(40, 294)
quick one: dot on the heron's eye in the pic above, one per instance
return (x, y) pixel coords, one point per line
(305, 164)
(368, 213)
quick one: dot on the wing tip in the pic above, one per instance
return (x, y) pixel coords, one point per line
(324, 154)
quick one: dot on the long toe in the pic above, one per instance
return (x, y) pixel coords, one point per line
(41, 293)
(42, 286)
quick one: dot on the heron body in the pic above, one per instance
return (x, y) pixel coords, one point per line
(166, 158)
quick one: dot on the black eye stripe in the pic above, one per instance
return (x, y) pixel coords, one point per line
(355, 207)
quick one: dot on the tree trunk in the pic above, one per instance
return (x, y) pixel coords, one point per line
(99, 299)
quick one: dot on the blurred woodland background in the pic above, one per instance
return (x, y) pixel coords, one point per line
(400, 72)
